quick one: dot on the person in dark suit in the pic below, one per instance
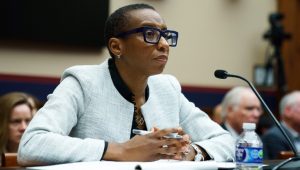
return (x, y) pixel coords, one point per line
(274, 141)
(240, 105)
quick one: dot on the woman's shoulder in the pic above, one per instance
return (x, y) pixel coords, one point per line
(165, 80)
(85, 71)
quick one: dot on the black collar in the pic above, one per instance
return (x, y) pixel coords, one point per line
(120, 84)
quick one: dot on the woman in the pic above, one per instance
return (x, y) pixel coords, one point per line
(95, 108)
(15, 114)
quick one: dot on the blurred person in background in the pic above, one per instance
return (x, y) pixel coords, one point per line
(264, 124)
(35, 103)
(217, 114)
(273, 139)
(240, 105)
(15, 114)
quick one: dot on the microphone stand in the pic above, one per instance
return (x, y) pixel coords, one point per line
(297, 157)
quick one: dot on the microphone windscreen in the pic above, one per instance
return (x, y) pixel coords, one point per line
(221, 74)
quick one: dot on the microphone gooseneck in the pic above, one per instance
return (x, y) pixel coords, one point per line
(222, 74)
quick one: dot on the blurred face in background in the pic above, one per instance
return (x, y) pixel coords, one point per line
(248, 110)
(292, 115)
(19, 120)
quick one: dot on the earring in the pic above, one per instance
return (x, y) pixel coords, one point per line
(118, 56)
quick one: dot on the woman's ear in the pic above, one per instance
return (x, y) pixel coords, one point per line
(115, 46)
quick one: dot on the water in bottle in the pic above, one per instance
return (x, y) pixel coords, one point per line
(249, 149)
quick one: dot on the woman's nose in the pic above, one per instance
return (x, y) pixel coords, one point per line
(23, 126)
(163, 43)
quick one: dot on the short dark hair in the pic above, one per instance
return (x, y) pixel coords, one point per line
(118, 21)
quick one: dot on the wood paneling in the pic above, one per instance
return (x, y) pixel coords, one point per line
(291, 48)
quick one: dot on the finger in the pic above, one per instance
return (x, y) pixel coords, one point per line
(179, 156)
(186, 138)
(182, 147)
(163, 156)
(163, 132)
(154, 129)
(171, 142)
(180, 143)
(169, 150)
(180, 131)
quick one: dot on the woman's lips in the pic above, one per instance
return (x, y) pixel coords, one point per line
(161, 59)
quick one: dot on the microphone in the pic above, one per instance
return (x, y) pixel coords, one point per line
(222, 74)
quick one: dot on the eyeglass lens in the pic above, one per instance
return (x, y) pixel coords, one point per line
(153, 36)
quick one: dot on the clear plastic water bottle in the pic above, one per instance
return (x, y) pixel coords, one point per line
(249, 149)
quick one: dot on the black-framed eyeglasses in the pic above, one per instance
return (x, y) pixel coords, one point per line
(152, 35)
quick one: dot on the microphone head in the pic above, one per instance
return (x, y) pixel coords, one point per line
(221, 74)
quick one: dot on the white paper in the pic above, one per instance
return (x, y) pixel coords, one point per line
(156, 165)
(226, 165)
(178, 165)
(98, 165)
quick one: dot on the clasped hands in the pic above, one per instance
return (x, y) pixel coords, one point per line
(153, 146)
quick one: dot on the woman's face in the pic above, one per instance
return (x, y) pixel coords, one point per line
(19, 119)
(139, 56)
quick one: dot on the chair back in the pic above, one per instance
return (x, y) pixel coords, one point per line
(9, 160)
(285, 154)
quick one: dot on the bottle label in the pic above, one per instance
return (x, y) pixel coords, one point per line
(249, 155)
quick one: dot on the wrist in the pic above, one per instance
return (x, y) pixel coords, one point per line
(190, 154)
(199, 156)
(114, 152)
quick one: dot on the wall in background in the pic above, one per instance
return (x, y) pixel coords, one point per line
(213, 34)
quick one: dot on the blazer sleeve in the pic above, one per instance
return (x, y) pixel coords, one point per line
(46, 139)
(217, 142)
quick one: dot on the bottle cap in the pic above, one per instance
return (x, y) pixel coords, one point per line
(249, 126)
